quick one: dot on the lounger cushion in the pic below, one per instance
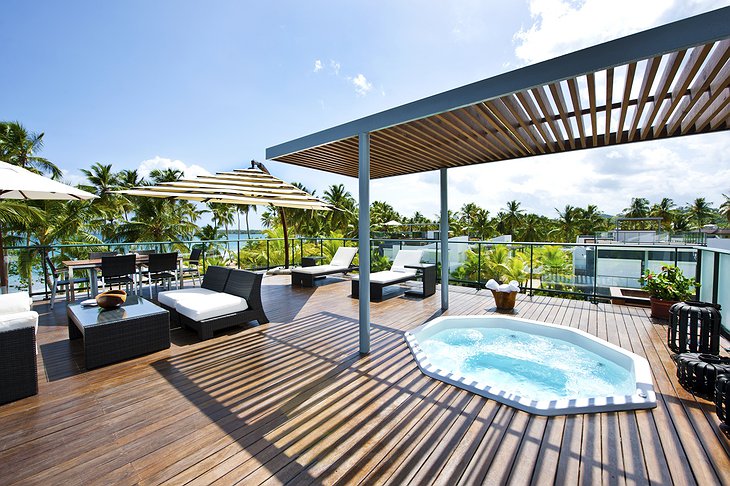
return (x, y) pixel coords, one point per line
(201, 308)
(343, 257)
(387, 276)
(406, 257)
(321, 269)
(170, 298)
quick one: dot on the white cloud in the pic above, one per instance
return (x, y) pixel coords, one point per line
(362, 85)
(561, 26)
(147, 166)
(318, 65)
(335, 66)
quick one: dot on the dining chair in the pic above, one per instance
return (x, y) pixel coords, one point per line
(118, 270)
(193, 265)
(161, 267)
(60, 279)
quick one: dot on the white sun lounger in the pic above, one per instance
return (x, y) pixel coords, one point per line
(341, 263)
(398, 273)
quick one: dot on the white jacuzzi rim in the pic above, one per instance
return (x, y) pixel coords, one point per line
(644, 397)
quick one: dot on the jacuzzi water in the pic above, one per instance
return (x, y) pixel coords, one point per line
(538, 367)
(531, 366)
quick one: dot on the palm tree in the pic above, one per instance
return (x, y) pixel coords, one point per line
(701, 211)
(665, 210)
(382, 212)
(19, 215)
(127, 179)
(165, 175)
(223, 215)
(591, 221)
(566, 224)
(157, 220)
(481, 225)
(346, 213)
(513, 216)
(245, 209)
(639, 208)
(725, 208)
(102, 181)
(19, 147)
(532, 229)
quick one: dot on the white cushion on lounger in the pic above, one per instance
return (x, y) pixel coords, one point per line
(406, 257)
(218, 304)
(387, 276)
(320, 269)
(343, 257)
(170, 298)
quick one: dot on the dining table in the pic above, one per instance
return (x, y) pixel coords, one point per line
(93, 266)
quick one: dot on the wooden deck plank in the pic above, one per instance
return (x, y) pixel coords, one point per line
(294, 402)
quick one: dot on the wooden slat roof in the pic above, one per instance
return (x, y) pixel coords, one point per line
(665, 82)
(241, 186)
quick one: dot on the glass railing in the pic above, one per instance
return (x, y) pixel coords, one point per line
(590, 271)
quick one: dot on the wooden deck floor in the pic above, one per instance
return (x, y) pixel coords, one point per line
(294, 402)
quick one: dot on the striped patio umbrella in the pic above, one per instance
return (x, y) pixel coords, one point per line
(240, 186)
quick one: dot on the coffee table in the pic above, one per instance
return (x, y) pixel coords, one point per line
(137, 327)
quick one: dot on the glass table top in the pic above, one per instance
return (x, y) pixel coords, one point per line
(134, 307)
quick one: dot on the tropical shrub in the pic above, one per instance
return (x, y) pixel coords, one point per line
(669, 284)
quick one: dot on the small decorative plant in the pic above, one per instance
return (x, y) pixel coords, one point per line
(669, 284)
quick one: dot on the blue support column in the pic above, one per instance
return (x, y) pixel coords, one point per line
(364, 240)
(444, 234)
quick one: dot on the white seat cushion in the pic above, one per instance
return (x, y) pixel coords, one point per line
(19, 320)
(170, 298)
(201, 307)
(321, 269)
(387, 276)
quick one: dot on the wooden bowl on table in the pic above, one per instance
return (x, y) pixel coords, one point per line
(111, 299)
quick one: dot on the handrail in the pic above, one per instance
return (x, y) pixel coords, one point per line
(301, 246)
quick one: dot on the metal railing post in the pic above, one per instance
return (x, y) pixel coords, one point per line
(238, 251)
(532, 290)
(479, 264)
(595, 274)
(267, 254)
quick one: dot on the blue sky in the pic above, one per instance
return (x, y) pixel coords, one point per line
(210, 85)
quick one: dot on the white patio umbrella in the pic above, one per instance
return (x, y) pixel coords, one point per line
(392, 223)
(19, 183)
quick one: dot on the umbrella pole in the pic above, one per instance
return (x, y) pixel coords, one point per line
(286, 237)
(3, 268)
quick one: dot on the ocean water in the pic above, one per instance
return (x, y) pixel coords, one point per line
(533, 367)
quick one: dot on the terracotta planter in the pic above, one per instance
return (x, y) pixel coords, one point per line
(660, 308)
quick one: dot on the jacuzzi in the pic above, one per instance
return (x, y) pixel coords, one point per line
(541, 368)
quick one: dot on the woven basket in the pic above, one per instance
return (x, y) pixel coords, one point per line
(504, 300)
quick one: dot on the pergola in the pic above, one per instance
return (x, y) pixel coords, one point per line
(669, 81)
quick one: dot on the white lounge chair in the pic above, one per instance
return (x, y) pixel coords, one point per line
(341, 263)
(398, 273)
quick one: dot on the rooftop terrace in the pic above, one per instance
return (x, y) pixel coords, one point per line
(293, 401)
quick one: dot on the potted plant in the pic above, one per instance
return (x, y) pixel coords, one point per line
(666, 288)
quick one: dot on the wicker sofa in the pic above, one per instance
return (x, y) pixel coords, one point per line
(226, 298)
(18, 367)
